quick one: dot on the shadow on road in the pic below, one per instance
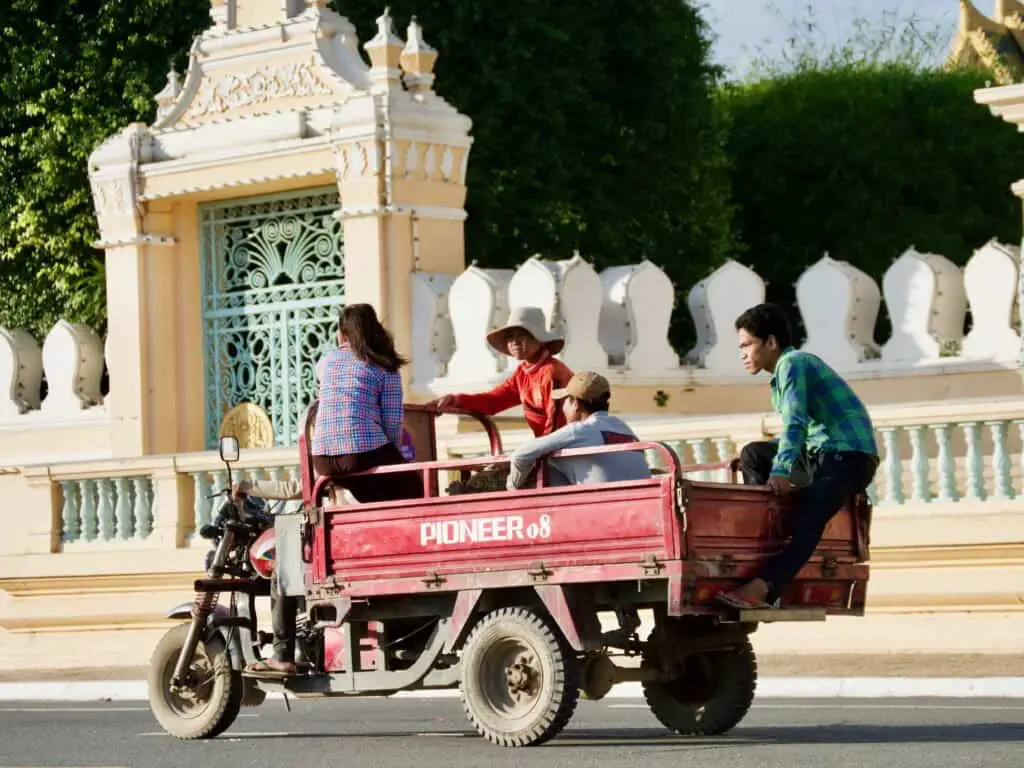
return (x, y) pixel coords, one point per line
(780, 735)
(794, 735)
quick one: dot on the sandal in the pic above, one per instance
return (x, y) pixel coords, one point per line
(733, 600)
(271, 667)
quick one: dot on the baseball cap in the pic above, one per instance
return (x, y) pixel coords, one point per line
(585, 385)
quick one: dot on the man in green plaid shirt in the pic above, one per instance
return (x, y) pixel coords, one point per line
(827, 435)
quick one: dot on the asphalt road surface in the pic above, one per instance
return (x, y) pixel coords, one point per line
(825, 733)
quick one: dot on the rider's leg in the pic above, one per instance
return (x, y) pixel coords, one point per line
(282, 611)
(756, 461)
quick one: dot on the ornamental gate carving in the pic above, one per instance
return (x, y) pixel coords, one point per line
(273, 282)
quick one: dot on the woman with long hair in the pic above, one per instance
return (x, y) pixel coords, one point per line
(359, 421)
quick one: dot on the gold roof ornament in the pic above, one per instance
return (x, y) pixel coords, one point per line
(250, 424)
(995, 44)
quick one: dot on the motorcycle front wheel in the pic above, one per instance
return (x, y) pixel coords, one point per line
(208, 702)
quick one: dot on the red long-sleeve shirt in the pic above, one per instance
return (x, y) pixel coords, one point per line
(530, 385)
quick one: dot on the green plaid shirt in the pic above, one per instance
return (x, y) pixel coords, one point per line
(820, 413)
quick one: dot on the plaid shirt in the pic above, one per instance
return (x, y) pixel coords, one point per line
(820, 413)
(360, 406)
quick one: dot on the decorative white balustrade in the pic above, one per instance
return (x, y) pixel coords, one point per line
(930, 453)
(72, 359)
(927, 297)
(617, 321)
(107, 509)
(952, 458)
(207, 486)
(124, 501)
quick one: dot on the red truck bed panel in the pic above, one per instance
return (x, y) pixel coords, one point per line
(750, 523)
(606, 524)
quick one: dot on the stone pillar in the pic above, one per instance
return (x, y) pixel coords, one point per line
(139, 278)
(1007, 102)
(401, 157)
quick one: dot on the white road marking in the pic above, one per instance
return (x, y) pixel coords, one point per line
(234, 736)
(74, 709)
(948, 707)
(443, 734)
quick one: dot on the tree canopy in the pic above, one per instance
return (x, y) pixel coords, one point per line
(594, 130)
(75, 71)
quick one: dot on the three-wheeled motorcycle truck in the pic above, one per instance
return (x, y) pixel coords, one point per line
(497, 593)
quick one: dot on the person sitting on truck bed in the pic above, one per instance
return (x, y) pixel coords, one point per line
(586, 397)
(825, 427)
(359, 421)
(525, 338)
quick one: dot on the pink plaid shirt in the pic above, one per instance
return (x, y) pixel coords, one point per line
(360, 406)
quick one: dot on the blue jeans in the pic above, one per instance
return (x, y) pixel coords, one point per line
(834, 478)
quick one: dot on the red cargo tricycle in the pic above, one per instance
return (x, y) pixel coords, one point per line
(498, 594)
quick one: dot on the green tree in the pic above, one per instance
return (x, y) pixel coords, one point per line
(594, 129)
(74, 72)
(862, 149)
(863, 163)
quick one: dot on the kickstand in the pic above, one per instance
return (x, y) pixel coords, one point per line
(287, 704)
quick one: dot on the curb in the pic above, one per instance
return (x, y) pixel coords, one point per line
(767, 688)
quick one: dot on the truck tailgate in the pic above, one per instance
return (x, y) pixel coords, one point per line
(751, 522)
(621, 522)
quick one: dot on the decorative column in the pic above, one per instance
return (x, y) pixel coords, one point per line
(1007, 102)
(133, 256)
(401, 156)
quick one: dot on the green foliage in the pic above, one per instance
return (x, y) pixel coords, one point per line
(593, 126)
(863, 162)
(74, 72)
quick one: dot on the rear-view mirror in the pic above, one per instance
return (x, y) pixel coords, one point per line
(229, 449)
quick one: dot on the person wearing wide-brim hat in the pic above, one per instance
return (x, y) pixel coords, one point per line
(525, 337)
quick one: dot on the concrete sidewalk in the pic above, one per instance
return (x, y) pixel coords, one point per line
(825, 676)
(769, 666)
(767, 688)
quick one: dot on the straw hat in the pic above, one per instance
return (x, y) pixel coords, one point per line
(531, 320)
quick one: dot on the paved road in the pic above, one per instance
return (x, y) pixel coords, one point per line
(833, 733)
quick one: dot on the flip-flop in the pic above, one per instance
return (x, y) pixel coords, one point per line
(263, 668)
(741, 603)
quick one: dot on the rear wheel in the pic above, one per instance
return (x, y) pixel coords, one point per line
(519, 678)
(212, 695)
(710, 694)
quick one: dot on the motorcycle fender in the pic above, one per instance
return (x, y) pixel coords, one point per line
(218, 636)
(184, 611)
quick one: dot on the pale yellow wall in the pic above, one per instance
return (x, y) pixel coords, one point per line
(28, 519)
(127, 314)
(37, 441)
(188, 375)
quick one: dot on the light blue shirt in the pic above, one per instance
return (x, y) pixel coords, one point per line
(596, 430)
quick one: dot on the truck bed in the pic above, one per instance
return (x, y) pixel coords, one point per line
(697, 538)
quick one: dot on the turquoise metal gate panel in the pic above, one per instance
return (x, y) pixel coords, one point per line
(273, 282)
